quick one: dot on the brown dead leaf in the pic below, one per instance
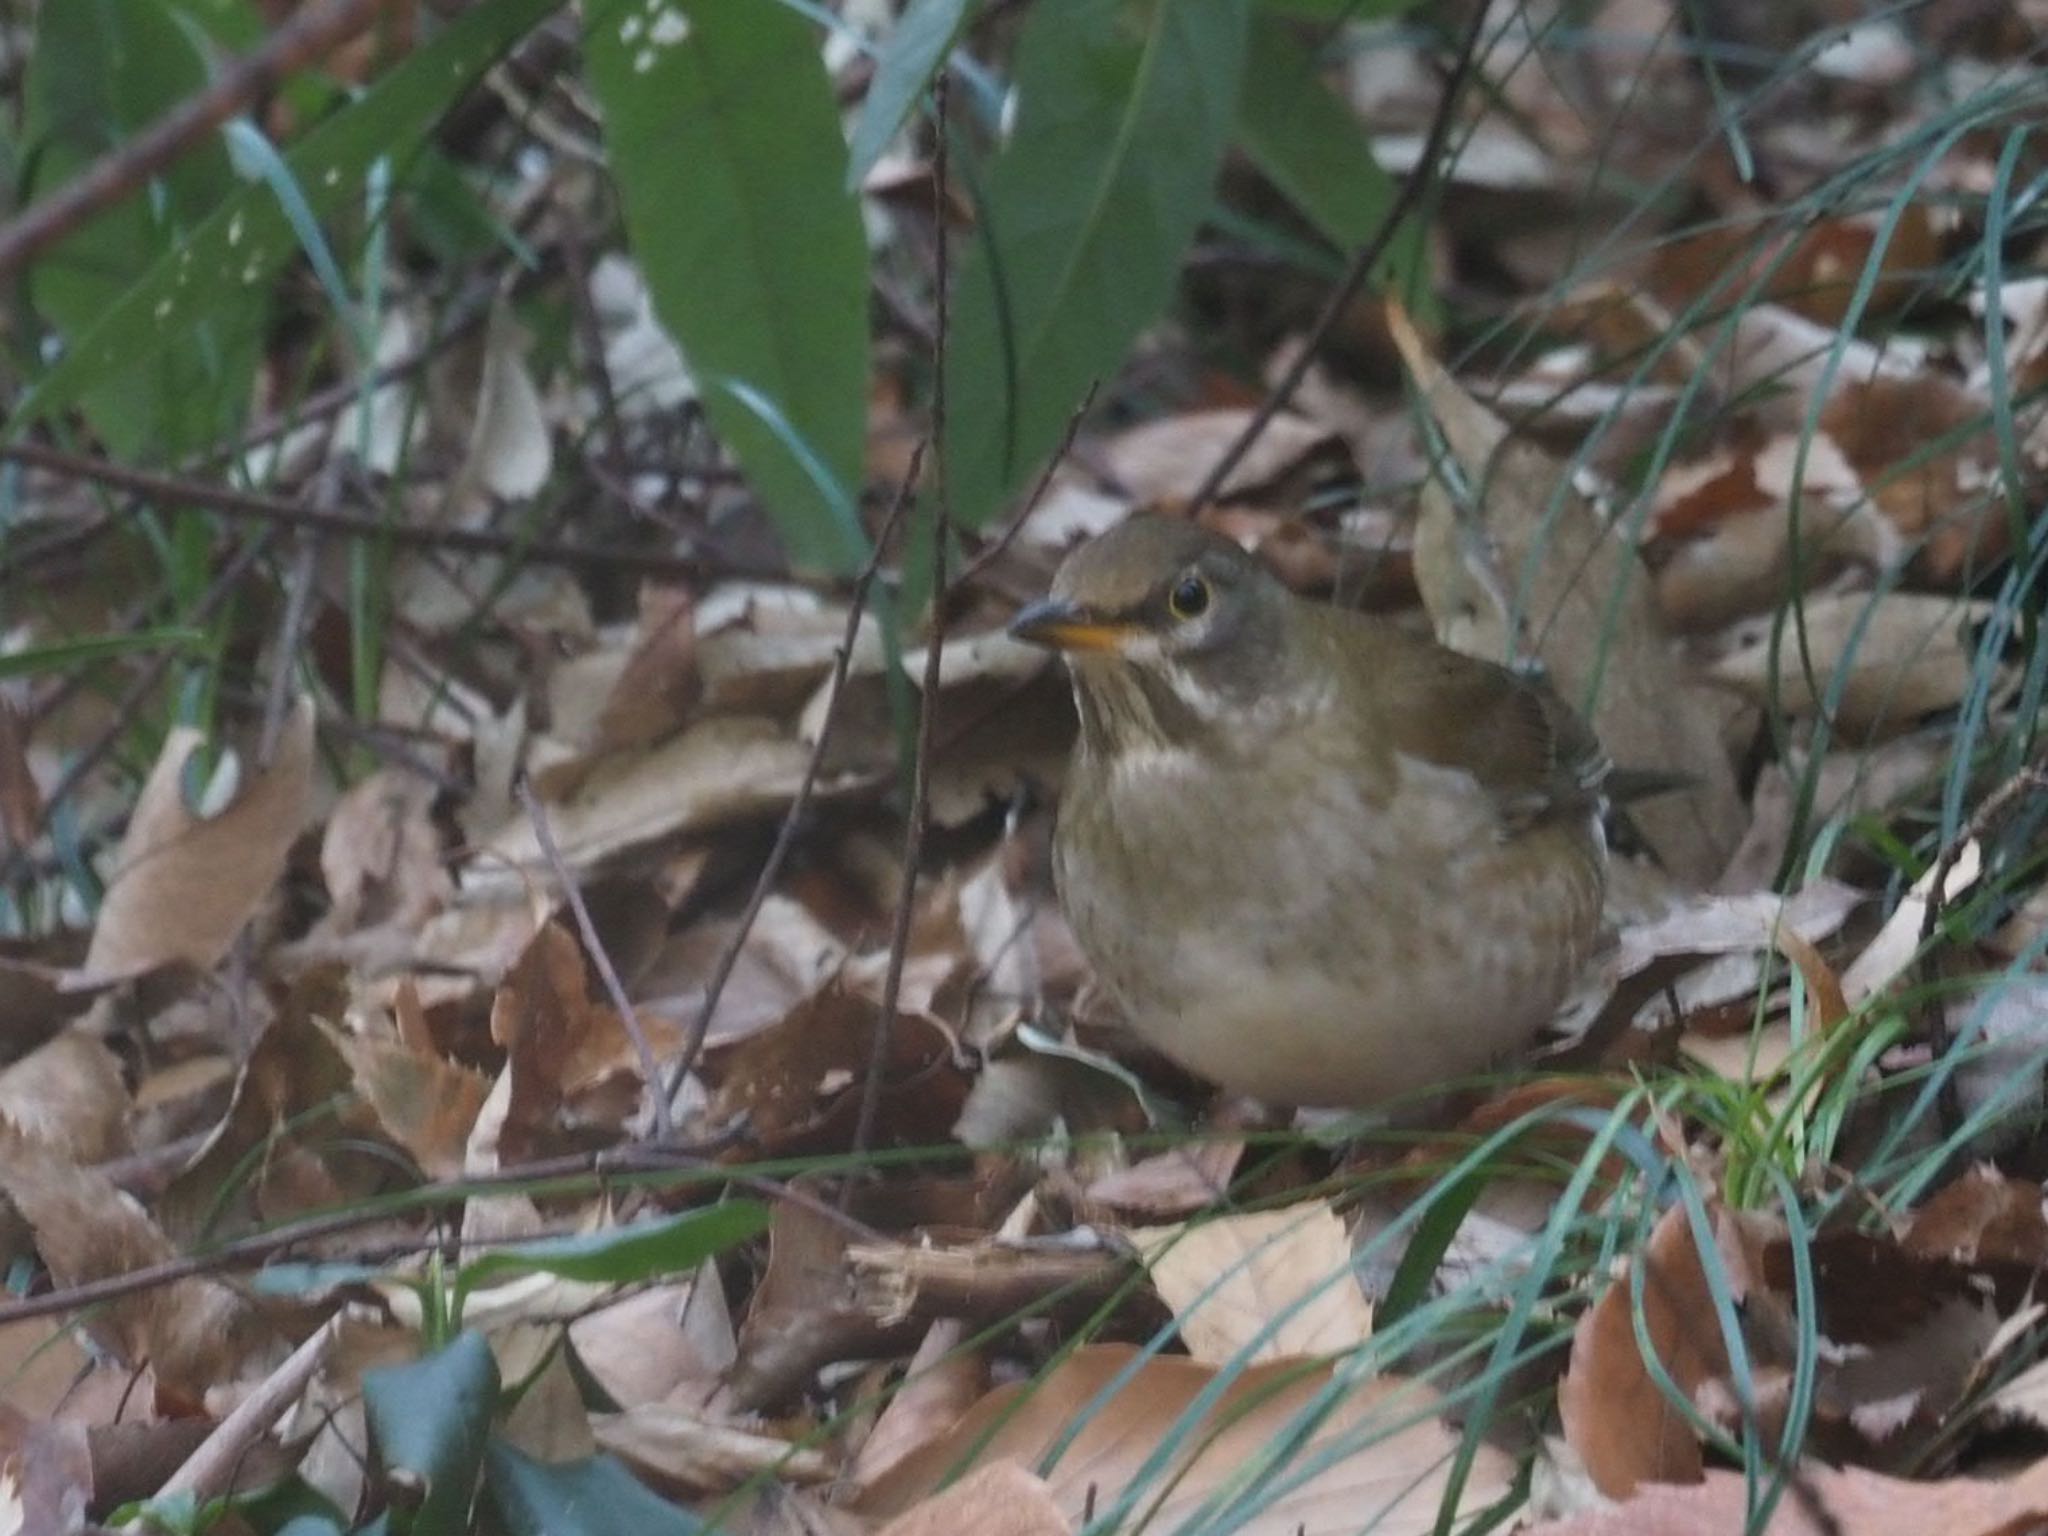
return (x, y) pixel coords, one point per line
(1176, 1182)
(426, 1103)
(947, 1376)
(1390, 1478)
(659, 684)
(1812, 269)
(1001, 1499)
(1260, 1286)
(1826, 1501)
(715, 772)
(1616, 1417)
(292, 1139)
(796, 1085)
(1166, 460)
(381, 854)
(193, 1333)
(184, 886)
(1982, 1217)
(1896, 658)
(68, 1095)
(572, 1070)
(1588, 613)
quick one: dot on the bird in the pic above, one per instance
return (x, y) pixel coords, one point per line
(1315, 858)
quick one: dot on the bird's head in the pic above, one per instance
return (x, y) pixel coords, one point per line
(1174, 633)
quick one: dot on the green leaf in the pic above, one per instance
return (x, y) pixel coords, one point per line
(233, 254)
(625, 1254)
(67, 654)
(101, 71)
(724, 141)
(1331, 12)
(430, 1420)
(592, 1497)
(1118, 140)
(1311, 146)
(924, 35)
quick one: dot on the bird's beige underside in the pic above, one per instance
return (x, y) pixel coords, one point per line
(1432, 944)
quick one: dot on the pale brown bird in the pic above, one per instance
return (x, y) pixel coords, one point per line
(1316, 859)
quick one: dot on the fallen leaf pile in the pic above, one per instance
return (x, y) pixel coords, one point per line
(414, 1100)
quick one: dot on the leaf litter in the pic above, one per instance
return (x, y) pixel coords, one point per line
(1743, 490)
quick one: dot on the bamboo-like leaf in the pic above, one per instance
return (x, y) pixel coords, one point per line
(725, 144)
(1119, 135)
(236, 250)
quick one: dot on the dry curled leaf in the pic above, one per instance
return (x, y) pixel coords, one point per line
(184, 885)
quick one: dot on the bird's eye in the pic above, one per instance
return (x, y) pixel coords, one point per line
(1189, 598)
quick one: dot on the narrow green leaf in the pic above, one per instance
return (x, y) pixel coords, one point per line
(234, 252)
(595, 1496)
(430, 1420)
(100, 72)
(625, 1254)
(724, 141)
(1311, 146)
(1119, 136)
(924, 35)
(67, 654)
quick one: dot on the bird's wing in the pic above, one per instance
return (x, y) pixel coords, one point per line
(1527, 748)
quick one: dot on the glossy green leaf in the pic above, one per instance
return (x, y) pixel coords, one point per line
(724, 140)
(621, 1255)
(100, 72)
(924, 35)
(1312, 147)
(1120, 131)
(232, 255)
(430, 1420)
(595, 1496)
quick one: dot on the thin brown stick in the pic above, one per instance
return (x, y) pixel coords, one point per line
(921, 763)
(274, 509)
(792, 819)
(650, 1069)
(1355, 275)
(314, 31)
(992, 551)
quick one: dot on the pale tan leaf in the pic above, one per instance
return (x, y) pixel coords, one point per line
(1587, 612)
(1388, 1453)
(1001, 1499)
(1232, 1279)
(1826, 1501)
(717, 771)
(1894, 657)
(1167, 459)
(184, 885)
(68, 1095)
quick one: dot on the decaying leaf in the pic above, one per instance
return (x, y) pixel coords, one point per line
(184, 885)
(1259, 1286)
(1233, 1449)
(1586, 611)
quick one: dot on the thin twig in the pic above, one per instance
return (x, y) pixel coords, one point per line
(275, 509)
(792, 819)
(650, 1069)
(314, 31)
(921, 762)
(992, 551)
(1355, 275)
